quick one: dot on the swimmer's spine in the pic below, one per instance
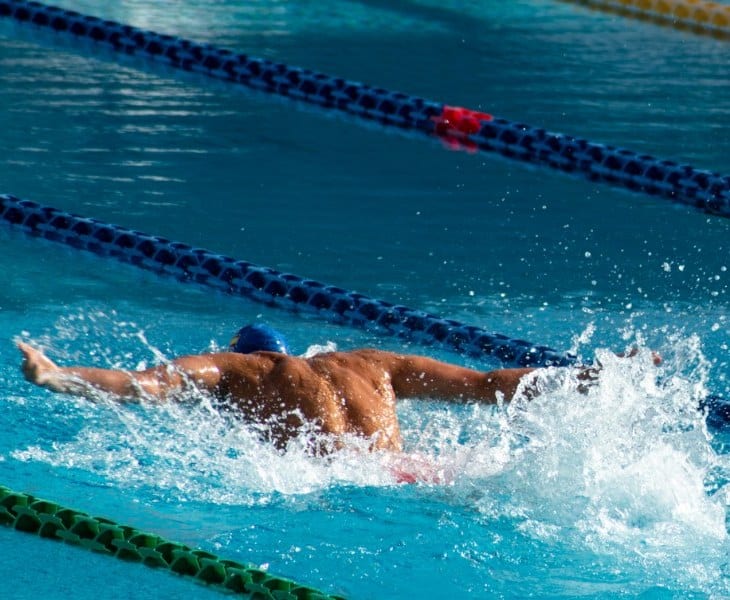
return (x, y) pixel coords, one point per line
(705, 190)
(27, 513)
(270, 286)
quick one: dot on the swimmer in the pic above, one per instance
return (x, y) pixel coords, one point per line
(337, 393)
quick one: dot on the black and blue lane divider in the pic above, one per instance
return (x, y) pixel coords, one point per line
(269, 286)
(717, 411)
(27, 513)
(291, 292)
(472, 130)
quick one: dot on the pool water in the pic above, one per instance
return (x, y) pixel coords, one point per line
(618, 493)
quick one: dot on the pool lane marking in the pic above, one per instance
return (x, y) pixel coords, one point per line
(288, 291)
(696, 16)
(457, 127)
(269, 286)
(27, 513)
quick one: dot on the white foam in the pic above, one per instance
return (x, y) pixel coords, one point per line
(626, 470)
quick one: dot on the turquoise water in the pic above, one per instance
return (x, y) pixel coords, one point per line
(621, 493)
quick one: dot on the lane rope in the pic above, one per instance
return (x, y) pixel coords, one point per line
(698, 16)
(458, 127)
(269, 286)
(291, 292)
(24, 512)
(463, 127)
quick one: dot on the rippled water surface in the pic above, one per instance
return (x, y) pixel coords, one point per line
(621, 492)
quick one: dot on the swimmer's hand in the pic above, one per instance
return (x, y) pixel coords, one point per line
(655, 358)
(589, 375)
(38, 368)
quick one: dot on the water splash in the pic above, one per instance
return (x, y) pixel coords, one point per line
(626, 470)
(192, 451)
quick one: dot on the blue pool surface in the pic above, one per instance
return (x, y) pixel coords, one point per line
(619, 493)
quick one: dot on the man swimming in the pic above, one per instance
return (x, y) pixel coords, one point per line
(336, 393)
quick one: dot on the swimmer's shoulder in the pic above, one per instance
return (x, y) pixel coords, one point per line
(236, 360)
(361, 358)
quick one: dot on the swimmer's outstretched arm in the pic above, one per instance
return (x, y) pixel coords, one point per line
(422, 377)
(158, 383)
(414, 376)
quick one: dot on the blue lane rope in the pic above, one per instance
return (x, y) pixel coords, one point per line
(288, 291)
(269, 286)
(705, 190)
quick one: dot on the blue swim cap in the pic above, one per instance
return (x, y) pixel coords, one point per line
(255, 338)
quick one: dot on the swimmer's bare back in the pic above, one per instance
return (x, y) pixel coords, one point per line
(338, 393)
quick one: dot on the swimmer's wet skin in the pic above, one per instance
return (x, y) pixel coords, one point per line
(339, 393)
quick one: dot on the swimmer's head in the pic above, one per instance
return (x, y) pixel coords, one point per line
(257, 338)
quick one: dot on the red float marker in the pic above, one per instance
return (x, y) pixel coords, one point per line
(457, 121)
(455, 124)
